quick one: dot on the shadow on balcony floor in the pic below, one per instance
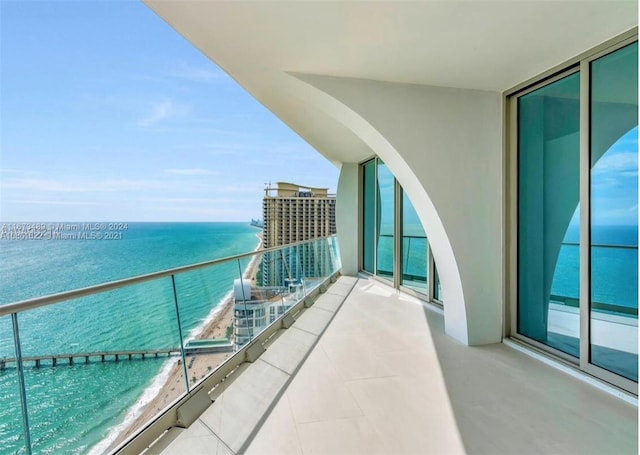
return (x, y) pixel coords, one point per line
(383, 378)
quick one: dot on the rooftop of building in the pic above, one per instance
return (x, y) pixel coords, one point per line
(293, 190)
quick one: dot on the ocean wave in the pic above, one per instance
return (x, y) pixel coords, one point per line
(148, 395)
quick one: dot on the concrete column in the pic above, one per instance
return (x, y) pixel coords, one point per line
(347, 216)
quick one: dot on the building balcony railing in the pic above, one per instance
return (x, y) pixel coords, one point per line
(102, 372)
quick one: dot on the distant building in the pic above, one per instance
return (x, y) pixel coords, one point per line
(257, 307)
(294, 213)
(291, 213)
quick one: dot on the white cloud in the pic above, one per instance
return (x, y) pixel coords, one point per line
(621, 164)
(619, 215)
(195, 73)
(162, 111)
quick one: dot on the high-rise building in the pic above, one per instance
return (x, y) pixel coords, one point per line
(294, 213)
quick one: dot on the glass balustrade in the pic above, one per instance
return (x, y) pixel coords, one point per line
(76, 375)
(162, 333)
(12, 425)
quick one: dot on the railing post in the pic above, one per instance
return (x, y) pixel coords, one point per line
(244, 302)
(23, 390)
(182, 355)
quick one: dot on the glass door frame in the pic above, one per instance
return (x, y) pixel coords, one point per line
(396, 282)
(585, 220)
(581, 64)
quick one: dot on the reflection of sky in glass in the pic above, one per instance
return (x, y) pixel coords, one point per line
(386, 185)
(614, 181)
(411, 225)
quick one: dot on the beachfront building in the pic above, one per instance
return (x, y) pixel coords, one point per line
(511, 128)
(291, 213)
(256, 307)
(294, 213)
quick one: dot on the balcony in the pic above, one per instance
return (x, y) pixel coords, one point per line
(364, 369)
(369, 370)
(167, 330)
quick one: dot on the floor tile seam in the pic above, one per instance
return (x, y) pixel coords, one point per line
(336, 419)
(377, 362)
(294, 328)
(293, 418)
(343, 381)
(334, 293)
(289, 333)
(416, 352)
(341, 290)
(245, 445)
(320, 308)
(218, 438)
(274, 366)
(371, 378)
(307, 331)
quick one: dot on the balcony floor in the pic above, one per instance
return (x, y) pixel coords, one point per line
(383, 378)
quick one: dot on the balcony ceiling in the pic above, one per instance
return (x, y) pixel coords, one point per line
(485, 45)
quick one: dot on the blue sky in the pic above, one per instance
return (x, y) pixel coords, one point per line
(614, 180)
(108, 114)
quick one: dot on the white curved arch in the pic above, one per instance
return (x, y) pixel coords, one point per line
(455, 310)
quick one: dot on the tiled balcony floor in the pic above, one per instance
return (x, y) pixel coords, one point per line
(383, 378)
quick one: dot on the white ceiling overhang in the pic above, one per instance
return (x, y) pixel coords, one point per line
(483, 45)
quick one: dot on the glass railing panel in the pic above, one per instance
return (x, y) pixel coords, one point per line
(437, 287)
(12, 432)
(256, 295)
(99, 367)
(415, 255)
(385, 255)
(319, 259)
(206, 299)
(335, 253)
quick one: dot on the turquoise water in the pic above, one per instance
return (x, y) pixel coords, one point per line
(614, 270)
(73, 408)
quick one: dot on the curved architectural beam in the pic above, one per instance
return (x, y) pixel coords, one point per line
(423, 134)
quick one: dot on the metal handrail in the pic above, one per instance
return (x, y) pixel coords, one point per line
(604, 245)
(29, 304)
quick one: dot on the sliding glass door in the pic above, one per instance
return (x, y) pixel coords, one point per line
(613, 247)
(394, 243)
(385, 221)
(549, 193)
(576, 154)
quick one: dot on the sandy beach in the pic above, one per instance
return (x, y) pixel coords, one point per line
(197, 366)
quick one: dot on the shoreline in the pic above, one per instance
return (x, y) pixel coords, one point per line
(173, 386)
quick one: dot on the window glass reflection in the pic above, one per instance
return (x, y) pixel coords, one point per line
(614, 212)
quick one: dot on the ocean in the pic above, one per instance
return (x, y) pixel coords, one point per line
(614, 265)
(75, 409)
(72, 409)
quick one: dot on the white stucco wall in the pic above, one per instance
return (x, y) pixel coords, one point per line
(347, 218)
(445, 148)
